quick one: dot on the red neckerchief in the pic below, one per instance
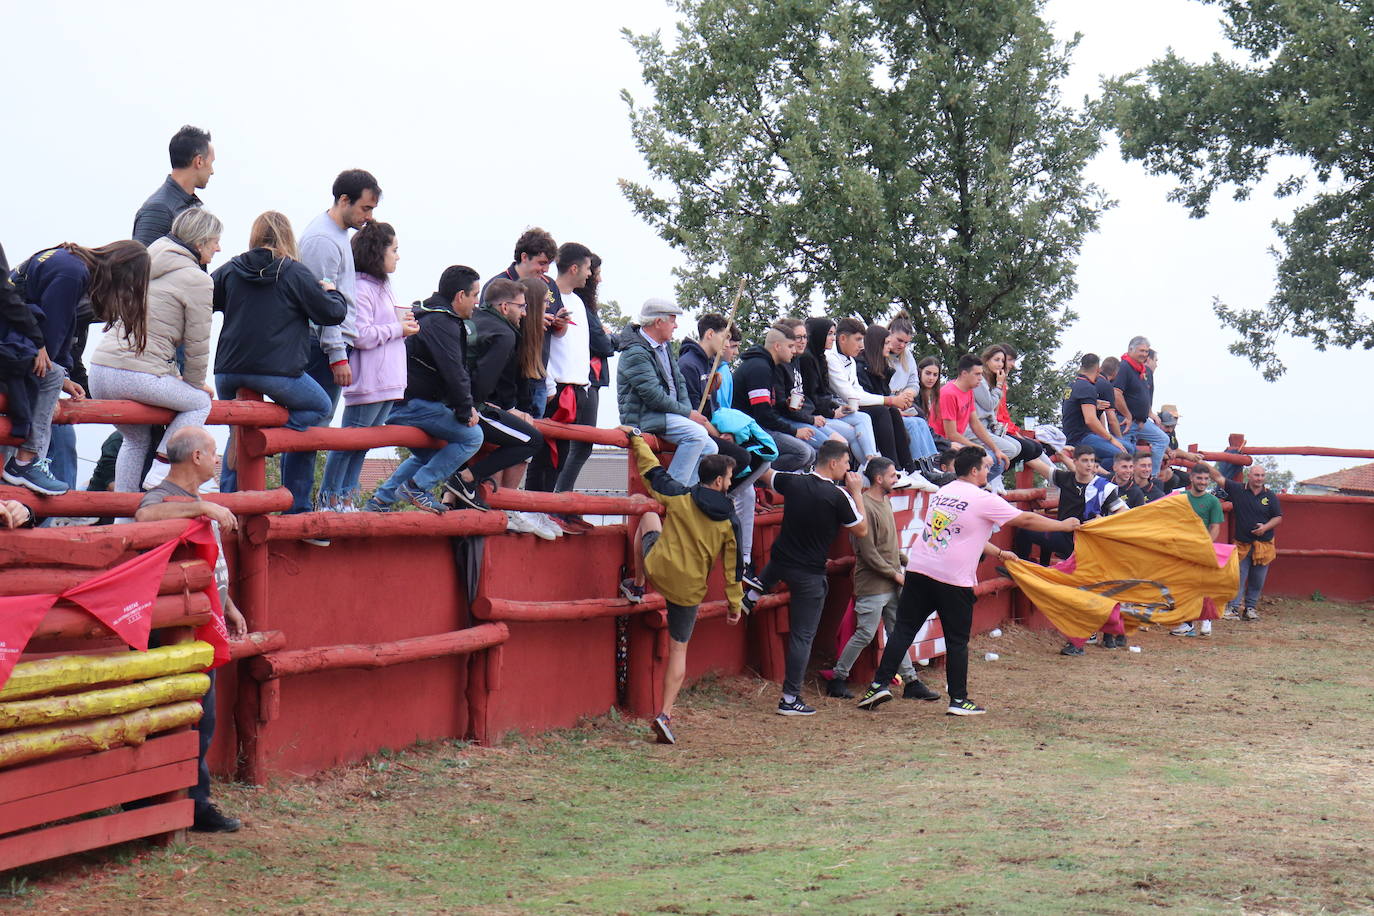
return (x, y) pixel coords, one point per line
(1140, 370)
(566, 412)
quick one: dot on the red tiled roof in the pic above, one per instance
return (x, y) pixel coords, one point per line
(1359, 479)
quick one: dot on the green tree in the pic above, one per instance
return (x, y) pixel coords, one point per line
(1304, 101)
(1276, 476)
(872, 156)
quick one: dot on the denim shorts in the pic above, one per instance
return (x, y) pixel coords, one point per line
(682, 619)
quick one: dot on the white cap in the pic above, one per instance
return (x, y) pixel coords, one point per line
(656, 308)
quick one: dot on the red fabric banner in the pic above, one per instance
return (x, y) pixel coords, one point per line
(120, 598)
(19, 617)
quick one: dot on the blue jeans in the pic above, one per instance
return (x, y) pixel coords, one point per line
(862, 441)
(342, 469)
(306, 405)
(1157, 438)
(692, 443)
(426, 468)
(62, 453)
(1106, 452)
(1251, 582)
(919, 435)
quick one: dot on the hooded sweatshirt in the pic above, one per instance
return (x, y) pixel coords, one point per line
(179, 296)
(268, 304)
(493, 360)
(699, 526)
(378, 359)
(436, 358)
(762, 388)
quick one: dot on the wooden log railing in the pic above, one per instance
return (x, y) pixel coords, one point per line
(92, 504)
(286, 663)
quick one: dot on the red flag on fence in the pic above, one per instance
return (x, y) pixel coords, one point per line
(121, 598)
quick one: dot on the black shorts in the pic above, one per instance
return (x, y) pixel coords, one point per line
(682, 619)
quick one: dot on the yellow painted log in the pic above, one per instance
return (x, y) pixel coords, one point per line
(108, 702)
(68, 672)
(98, 735)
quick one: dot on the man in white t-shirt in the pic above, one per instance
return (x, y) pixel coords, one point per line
(942, 570)
(569, 372)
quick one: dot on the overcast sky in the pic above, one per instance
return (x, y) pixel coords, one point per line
(480, 121)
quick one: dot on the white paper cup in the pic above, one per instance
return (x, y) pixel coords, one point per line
(992, 656)
(853, 404)
(795, 401)
(1134, 648)
(995, 633)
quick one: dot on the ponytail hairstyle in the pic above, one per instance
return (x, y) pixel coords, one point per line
(118, 286)
(531, 350)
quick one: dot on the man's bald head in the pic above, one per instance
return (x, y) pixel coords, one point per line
(184, 443)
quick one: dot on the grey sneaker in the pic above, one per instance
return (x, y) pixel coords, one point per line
(1250, 614)
(420, 499)
(35, 476)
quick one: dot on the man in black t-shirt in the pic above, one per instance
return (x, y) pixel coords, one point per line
(1083, 411)
(1123, 475)
(815, 507)
(1145, 483)
(1255, 513)
(1084, 494)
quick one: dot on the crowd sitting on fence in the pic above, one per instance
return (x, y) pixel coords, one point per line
(474, 365)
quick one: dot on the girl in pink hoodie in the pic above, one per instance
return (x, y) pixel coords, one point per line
(378, 359)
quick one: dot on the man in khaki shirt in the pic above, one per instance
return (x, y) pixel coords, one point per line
(878, 577)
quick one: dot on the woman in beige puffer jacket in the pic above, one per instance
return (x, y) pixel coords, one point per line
(179, 310)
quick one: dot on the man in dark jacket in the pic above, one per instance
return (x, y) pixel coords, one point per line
(494, 360)
(20, 340)
(438, 399)
(763, 380)
(653, 394)
(193, 162)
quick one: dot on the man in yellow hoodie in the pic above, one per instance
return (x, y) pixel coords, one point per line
(699, 526)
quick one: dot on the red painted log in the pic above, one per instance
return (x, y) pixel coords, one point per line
(1326, 553)
(70, 621)
(1032, 494)
(578, 503)
(88, 504)
(465, 522)
(1312, 450)
(379, 655)
(261, 442)
(710, 610)
(486, 608)
(237, 413)
(181, 575)
(595, 435)
(255, 644)
(1319, 498)
(1232, 457)
(993, 586)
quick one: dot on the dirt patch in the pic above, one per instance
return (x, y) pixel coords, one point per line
(1226, 775)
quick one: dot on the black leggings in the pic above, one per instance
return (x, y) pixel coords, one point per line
(516, 441)
(544, 476)
(921, 597)
(890, 433)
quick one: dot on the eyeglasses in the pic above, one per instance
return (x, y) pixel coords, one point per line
(519, 304)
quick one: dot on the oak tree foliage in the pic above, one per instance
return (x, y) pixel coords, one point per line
(865, 157)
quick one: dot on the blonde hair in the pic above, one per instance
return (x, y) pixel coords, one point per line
(272, 230)
(195, 226)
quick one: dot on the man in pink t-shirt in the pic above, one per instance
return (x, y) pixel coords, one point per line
(956, 414)
(960, 519)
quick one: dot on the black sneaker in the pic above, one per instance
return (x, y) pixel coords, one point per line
(964, 708)
(746, 604)
(915, 690)
(633, 593)
(750, 579)
(874, 697)
(465, 495)
(795, 708)
(839, 689)
(1071, 649)
(209, 819)
(662, 726)
(1121, 642)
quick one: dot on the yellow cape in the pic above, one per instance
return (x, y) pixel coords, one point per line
(1157, 563)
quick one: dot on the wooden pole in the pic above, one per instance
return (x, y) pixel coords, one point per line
(715, 363)
(98, 735)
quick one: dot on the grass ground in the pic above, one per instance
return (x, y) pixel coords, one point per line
(1230, 775)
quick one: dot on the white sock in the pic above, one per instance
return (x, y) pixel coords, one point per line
(789, 698)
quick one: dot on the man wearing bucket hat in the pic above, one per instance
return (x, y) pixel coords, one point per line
(652, 393)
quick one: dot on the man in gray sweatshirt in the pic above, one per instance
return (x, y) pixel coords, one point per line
(325, 248)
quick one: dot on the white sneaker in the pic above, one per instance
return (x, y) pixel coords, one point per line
(519, 523)
(1183, 629)
(918, 481)
(156, 474)
(1206, 629)
(541, 526)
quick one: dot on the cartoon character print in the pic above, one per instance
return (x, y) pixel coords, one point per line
(940, 528)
